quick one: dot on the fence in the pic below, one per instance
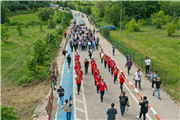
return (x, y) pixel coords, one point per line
(136, 58)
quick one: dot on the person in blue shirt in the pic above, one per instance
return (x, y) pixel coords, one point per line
(60, 91)
(154, 77)
(54, 81)
(128, 56)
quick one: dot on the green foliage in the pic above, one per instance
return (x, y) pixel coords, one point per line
(34, 10)
(106, 31)
(57, 8)
(60, 30)
(178, 23)
(26, 25)
(31, 64)
(51, 24)
(78, 2)
(101, 8)
(66, 19)
(4, 34)
(143, 22)
(4, 15)
(159, 18)
(170, 28)
(87, 10)
(59, 18)
(8, 113)
(133, 26)
(39, 48)
(50, 40)
(19, 29)
(40, 26)
(43, 14)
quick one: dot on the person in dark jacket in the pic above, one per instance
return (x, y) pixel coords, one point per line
(69, 60)
(144, 107)
(128, 56)
(129, 65)
(64, 52)
(111, 112)
(72, 45)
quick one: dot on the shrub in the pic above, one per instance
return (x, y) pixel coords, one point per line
(34, 10)
(170, 28)
(26, 25)
(8, 113)
(19, 29)
(4, 34)
(58, 19)
(49, 39)
(60, 30)
(133, 26)
(178, 23)
(40, 26)
(106, 31)
(51, 24)
(43, 14)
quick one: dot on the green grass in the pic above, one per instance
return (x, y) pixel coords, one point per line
(25, 18)
(18, 12)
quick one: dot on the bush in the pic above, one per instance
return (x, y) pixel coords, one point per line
(4, 34)
(8, 113)
(40, 26)
(133, 26)
(51, 24)
(50, 40)
(58, 19)
(26, 25)
(106, 31)
(178, 23)
(34, 10)
(43, 14)
(60, 30)
(170, 28)
(19, 29)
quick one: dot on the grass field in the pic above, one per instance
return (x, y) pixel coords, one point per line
(25, 18)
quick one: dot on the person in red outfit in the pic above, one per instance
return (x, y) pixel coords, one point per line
(95, 72)
(115, 71)
(102, 86)
(108, 63)
(77, 55)
(101, 56)
(122, 80)
(93, 66)
(65, 34)
(92, 61)
(112, 64)
(98, 80)
(105, 60)
(78, 82)
(77, 67)
(80, 72)
(76, 59)
(77, 62)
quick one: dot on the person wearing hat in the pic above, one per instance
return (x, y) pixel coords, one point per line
(115, 71)
(112, 64)
(154, 77)
(98, 80)
(105, 60)
(95, 72)
(122, 80)
(101, 56)
(144, 107)
(102, 86)
(108, 63)
(77, 67)
(92, 60)
(78, 81)
(93, 66)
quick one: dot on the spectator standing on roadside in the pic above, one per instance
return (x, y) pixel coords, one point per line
(157, 88)
(65, 34)
(148, 62)
(111, 112)
(121, 80)
(128, 56)
(61, 95)
(144, 107)
(54, 81)
(101, 56)
(154, 77)
(123, 101)
(113, 48)
(86, 65)
(64, 52)
(129, 65)
(69, 60)
(67, 108)
(137, 78)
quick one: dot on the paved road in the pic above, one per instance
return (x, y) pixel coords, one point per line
(166, 108)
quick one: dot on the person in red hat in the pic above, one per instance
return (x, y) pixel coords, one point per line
(80, 72)
(101, 56)
(77, 67)
(77, 55)
(109, 62)
(77, 62)
(105, 60)
(95, 72)
(93, 66)
(76, 59)
(112, 64)
(122, 80)
(78, 82)
(92, 60)
(115, 71)
(98, 80)
(102, 86)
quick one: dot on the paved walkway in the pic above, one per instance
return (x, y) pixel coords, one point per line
(166, 108)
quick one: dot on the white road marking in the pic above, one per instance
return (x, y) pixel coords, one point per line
(79, 101)
(80, 109)
(68, 71)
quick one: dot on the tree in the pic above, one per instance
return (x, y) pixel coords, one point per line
(4, 15)
(39, 48)
(4, 34)
(43, 14)
(49, 39)
(19, 29)
(151, 7)
(59, 18)
(170, 28)
(51, 24)
(133, 26)
(57, 8)
(159, 18)
(178, 23)
(101, 8)
(8, 113)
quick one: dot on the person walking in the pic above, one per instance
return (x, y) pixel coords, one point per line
(111, 112)
(128, 65)
(123, 102)
(72, 45)
(60, 91)
(115, 71)
(157, 87)
(54, 81)
(89, 44)
(90, 53)
(102, 85)
(96, 44)
(148, 62)
(65, 34)
(112, 64)
(98, 80)
(154, 77)
(95, 73)
(122, 80)
(144, 108)
(67, 108)
(105, 60)
(78, 81)
(93, 66)
(68, 60)
(101, 56)
(137, 78)
(86, 65)
(128, 56)
(109, 60)
(113, 49)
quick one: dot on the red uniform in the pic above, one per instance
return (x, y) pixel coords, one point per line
(77, 67)
(102, 86)
(101, 53)
(77, 63)
(121, 79)
(109, 61)
(93, 66)
(105, 58)
(92, 61)
(79, 72)
(112, 64)
(76, 59)
(116, 71)
(96, 72)
(98, 78)
(78, 80)
(77, 55)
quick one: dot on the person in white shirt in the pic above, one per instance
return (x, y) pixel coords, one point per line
(137, 78)
(89, 44)
(148, 62)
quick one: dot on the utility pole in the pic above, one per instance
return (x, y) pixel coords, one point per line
(120, 25)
